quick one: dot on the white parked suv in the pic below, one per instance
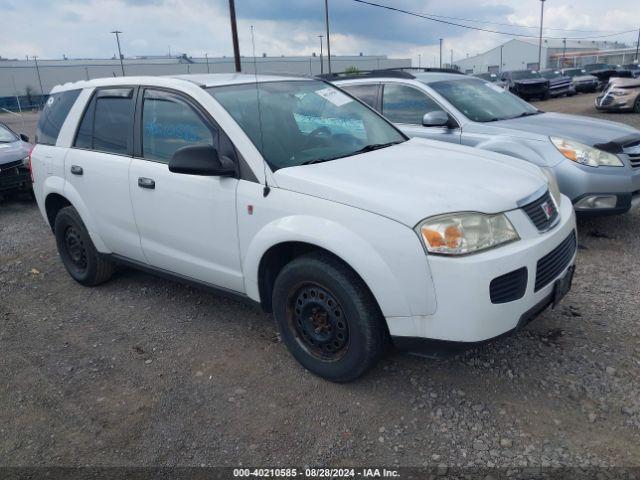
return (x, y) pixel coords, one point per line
(292, 193)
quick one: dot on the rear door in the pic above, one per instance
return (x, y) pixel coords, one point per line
(187, 223)
(405, 105)
(97, 167)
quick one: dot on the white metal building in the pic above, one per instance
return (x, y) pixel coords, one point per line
(523, 54)
(16, 76)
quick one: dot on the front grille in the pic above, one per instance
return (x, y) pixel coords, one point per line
(509, 287)
(553, 263)
(542, 212)
(10, 168)
(635, 160)
(606, 100)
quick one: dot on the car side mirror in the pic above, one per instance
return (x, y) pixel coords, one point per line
(201, 160)
(24, 138)
(437, 118)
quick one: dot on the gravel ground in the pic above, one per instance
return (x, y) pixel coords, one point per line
(143, 371)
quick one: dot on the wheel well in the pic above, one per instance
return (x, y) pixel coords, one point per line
(52, 205)
(276, 258)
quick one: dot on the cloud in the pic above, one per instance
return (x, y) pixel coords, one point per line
(81, 28)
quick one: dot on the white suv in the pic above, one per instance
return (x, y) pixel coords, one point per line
(292, 193)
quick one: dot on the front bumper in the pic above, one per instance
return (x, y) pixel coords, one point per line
(586, 86)
(559, 91)
(610, 103)
(579, 182)
(465, 312)
(14, 179)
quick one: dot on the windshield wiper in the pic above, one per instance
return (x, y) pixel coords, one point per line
(365, 149)
(528, 114)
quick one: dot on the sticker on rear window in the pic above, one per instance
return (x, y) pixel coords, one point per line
(334, 96)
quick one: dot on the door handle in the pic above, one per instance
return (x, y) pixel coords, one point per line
(76, 170)
(144, 182)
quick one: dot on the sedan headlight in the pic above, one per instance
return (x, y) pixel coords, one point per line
(554, 189)
(463, 233)
(584, 154)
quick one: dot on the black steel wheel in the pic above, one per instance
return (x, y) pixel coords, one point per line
(327, 317)
(636, 106)
(319, 322)
(79, 256)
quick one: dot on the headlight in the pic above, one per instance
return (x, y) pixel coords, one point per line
(553, 184)
(584, 154)
(618, 93)
(462, 233)
(25, 161)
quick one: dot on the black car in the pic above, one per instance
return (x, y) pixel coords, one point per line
(634, 68)
(14, 161)
(604, 72)
(559, 84)
(526, 83)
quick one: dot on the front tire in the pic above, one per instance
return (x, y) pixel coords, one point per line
(328, 318)
(636, 106)
(78, 253)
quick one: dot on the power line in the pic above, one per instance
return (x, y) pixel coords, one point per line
(511, 34)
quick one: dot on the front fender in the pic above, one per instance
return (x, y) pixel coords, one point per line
(372, 258)
(514, 149)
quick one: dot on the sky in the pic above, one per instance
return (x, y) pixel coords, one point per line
(80, 28)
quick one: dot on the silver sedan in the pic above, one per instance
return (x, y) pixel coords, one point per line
(596, 162)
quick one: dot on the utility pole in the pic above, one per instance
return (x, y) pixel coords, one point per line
(118, 32)
(326, 21)
(540, 44)
(451, 63)
(206, 58)
(501, 62)
(638, 47)
(440, 53)
(564, 50)
(35, 57)
(321, 62)
(419, 60)
(234, 35)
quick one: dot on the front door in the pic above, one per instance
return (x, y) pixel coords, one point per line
(405, 106)
(187, 223)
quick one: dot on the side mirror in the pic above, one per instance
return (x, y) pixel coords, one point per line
(24, 138)
(201, 160)
(438, 118)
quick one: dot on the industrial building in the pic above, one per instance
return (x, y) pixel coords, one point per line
(523, 54)
(27, 80)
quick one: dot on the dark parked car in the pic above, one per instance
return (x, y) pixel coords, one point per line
(634, 68)
(14, 161)
(526, 83)
(582, 81)
(559, 84)
(604, 72)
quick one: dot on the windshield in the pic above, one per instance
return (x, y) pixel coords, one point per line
(551, 74)
(6, 136)
(521, 74)
(302, 122)
(481, 101)
(574, 72)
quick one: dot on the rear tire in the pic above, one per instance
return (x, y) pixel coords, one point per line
(636, 106)
(328, 318)
(78, 253)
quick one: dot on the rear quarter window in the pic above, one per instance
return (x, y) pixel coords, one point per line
(53, 116)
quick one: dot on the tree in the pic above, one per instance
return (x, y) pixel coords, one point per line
(352, 70)
(29, 91)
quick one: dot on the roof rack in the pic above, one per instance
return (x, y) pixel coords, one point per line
(398, 72)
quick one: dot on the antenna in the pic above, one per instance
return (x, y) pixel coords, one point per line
(266, 190)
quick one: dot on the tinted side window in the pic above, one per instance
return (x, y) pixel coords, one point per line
(365, 93)
(403, 104)
(107, 122)
(170, 123)
(53, 116)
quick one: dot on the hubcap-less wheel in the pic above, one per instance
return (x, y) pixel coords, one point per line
(318, 321)
(637, 105)
(75, 248)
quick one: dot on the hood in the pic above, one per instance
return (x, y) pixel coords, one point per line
(417, 179)
(625, 82)
(587, 130)
(10, 152)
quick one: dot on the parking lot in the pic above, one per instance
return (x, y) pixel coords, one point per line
(144, 371)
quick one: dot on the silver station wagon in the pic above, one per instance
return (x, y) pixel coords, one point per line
(596, 162)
